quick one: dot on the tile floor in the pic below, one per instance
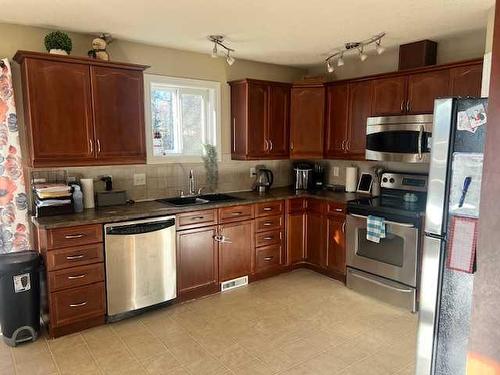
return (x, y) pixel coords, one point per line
(296, 323)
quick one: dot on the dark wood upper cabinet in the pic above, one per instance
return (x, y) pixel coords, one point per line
(278, 131)
(307, 117)
(58, 112)
(337, 120)
(360, 107)
(424, 88)
(466, 80)
(259, 119)
(81, 111)
(118, 119)
(389, 96)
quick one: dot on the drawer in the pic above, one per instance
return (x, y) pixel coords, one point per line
(73, 305)
(73, 236)
(296, 204)
(315, 205)
(267, 257)
(268, 223)
(75, 277)
(269, 208)
(74, 256)
(269, 238)
(335, 208)
(235, 213)
(189, 220)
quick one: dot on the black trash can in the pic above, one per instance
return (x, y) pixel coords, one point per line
(20, 296)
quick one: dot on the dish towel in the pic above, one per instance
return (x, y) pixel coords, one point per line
(375, 228)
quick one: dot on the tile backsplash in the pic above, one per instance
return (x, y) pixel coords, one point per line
(165, 180)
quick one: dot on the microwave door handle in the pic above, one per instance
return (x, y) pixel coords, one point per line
(386, 221)
(420, 139)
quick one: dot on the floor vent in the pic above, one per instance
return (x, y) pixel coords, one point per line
(235, 283)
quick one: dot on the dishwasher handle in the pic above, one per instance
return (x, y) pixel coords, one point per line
(140, 228)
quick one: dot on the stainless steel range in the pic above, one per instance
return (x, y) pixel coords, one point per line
(388, 269)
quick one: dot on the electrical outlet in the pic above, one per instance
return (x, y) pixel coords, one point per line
(336, 171)
(139, 179)
(252, 172)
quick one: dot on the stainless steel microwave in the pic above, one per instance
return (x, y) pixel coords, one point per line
(399, 138)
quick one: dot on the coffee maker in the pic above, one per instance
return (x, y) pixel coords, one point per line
(302, 176)
(263, 180)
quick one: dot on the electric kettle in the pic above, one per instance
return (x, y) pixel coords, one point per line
(263, 180)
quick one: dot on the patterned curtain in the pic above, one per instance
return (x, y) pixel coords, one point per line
(14, 228)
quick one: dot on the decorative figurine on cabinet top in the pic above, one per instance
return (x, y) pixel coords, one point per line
(99, 45)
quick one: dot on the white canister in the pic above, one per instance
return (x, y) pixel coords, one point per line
(88, 192)
(351, 179)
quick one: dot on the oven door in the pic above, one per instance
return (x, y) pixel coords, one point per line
(404, 142)
(395, 257)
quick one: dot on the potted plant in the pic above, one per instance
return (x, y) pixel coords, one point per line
(58, 43)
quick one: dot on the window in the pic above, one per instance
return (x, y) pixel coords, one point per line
(181, 116)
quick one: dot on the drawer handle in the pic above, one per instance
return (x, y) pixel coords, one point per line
(338, 210)
(75, 257)
(73, 236)
(268, 223)
(236, 213)
(78, 304)
(77, 277)
(268, 238)
(267, 259)
(268, 208)
(197, 217)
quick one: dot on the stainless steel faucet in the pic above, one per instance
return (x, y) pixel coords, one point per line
(192, 183)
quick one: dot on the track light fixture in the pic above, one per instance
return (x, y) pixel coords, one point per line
(218, 41)
(354, 46)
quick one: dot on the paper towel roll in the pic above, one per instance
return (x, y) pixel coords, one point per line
(351, 179)
(88, 192)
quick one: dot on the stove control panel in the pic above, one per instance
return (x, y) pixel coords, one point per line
(402, 181)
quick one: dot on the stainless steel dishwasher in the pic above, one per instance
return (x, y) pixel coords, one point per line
(140, 264)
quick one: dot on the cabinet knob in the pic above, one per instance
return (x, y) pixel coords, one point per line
(291, 146)
(98, 146)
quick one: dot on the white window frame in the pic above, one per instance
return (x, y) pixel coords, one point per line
(213, 114)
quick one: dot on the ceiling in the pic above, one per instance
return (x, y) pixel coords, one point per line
(288, 32)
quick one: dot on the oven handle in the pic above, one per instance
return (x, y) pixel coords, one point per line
(420, 138)
(382, 284)
(386, 221)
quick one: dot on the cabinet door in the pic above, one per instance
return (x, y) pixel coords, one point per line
(197, 260)
(258, 103)
(389, 96)
(360, 100)
(59, 112)
(316, 249)
(424, 88)
(279, 121)
(118, 114)
(235, 250)
(307, 122)
(336, 243)
(466, 80)
(296, 228)
(337, 120)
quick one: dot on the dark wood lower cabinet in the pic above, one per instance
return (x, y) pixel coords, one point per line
(336, 244)
(197, 262)
(235, 249)
(295, 231)
(315, 238)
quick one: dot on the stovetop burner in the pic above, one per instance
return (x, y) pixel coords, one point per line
(389, 205)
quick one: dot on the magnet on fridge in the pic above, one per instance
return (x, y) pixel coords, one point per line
(462, 243)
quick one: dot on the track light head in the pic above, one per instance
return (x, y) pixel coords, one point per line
(230, 59)
(380, 50)
(362, 56)
(329, 66)
(340, 61)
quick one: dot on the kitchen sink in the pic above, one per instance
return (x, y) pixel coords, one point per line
(199, 199)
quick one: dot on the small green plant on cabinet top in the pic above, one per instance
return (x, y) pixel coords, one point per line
(57, 40)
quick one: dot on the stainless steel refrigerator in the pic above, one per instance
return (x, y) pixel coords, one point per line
(458, 137)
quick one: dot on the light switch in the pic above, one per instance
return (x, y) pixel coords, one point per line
(336, 171)
(252, 172)
(139, 179)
